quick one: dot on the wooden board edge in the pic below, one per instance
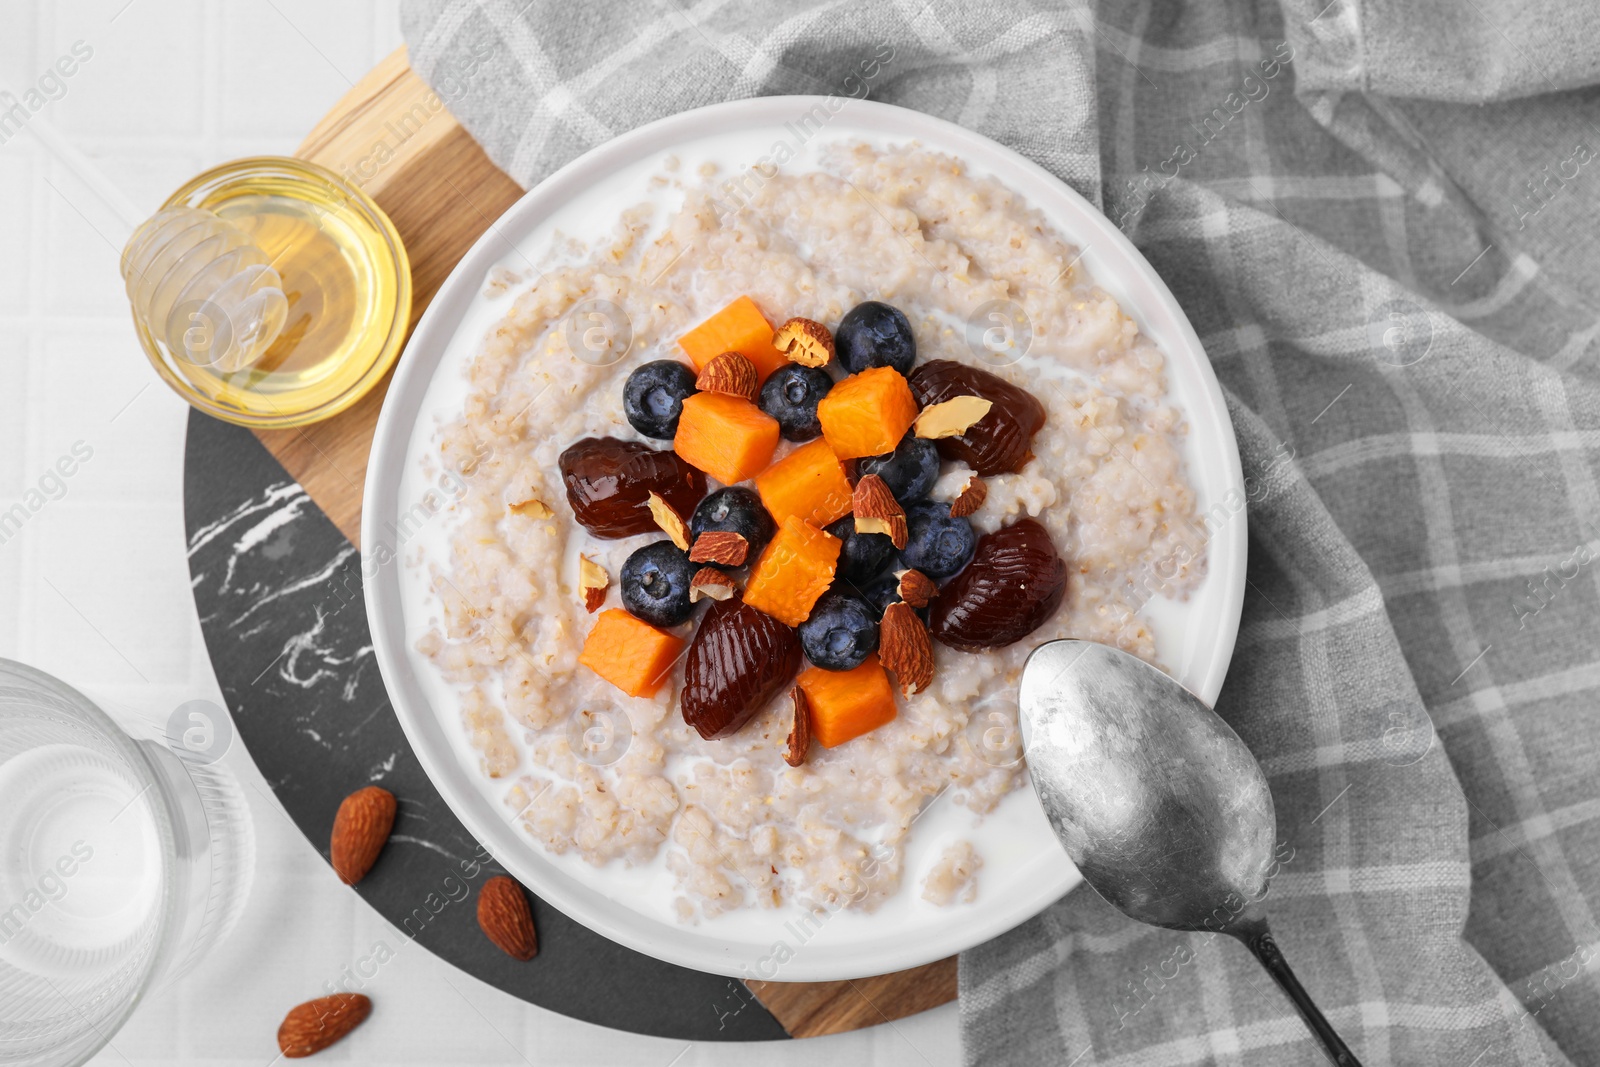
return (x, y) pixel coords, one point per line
(816, 1009)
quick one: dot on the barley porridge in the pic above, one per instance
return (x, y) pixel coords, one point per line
(527, 588)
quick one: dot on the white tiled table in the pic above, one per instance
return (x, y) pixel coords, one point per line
(94, 588)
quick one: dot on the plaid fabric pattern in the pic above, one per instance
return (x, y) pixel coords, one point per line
(1380, 218)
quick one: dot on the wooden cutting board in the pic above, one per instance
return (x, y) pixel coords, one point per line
(391, 136)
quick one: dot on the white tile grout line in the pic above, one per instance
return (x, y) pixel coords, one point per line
(212, 32)
(68, 155)
(95, 628)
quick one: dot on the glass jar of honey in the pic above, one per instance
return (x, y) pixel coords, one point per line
(269, 292)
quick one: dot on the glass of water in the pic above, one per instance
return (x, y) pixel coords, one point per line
(122, 862)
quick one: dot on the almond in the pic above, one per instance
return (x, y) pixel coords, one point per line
(805, 342)
(729, 373)
(313, 1026)
(533, 508)
(669, 520)
(592, 583)
(720, 546)
(973, 494)
(359, 831)
(507, 919)
(916, 588)
(877, 511)
(710, 582)
(952, 418)
(904, 648)
(800, 732)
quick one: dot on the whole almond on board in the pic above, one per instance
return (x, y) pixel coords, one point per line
(359, 831)
(730, 373)
(506, 917)
(799, 743)
(669, 520)
(720, 546)
(951, 418)
(592, 583)
(313, 1026)
(877, 511)
(904, 648)
(805, 342)
(710, 582)
(973, 494)
(916, 588)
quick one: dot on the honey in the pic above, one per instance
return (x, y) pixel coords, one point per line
(345, 276)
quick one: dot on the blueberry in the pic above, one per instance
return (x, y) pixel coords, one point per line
(874, 334)
(790, 395)
(655, 584)
(937, 544)
(909, 471)
(737, 510)
(885, 591)
(653, 397)
(841, 632)
(881, 593)
(864, 555)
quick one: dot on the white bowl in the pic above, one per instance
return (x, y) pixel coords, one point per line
(1025, 870)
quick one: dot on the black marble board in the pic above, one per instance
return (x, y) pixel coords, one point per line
(278, 591)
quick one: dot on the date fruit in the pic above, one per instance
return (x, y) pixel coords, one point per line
(609, 483)
(999, 443)
(1014, 583)
(739, 660)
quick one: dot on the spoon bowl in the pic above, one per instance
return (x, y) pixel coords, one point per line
(1159, 803)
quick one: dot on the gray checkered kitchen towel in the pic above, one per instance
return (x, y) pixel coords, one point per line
(1381, 218)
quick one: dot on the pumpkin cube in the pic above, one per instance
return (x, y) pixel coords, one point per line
(794, 570)
(726, 436)
(630, 654)
(847, 704)
(808, 483)
(740, 327)
(868, 413)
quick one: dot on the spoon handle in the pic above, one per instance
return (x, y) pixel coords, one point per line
(1258, 939)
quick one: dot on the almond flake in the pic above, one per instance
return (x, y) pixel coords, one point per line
(800, 732)
(533, 508)
(804, 342)
(710, 582)
(877, 511)
(894, 529)
(973, 494)
(916, 588)
(720, 546)
(951, 418)
(731, 374)
(669, 520)
(904, 648)
(592, 583)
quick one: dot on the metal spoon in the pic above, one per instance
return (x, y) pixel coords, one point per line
(1161, 806)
